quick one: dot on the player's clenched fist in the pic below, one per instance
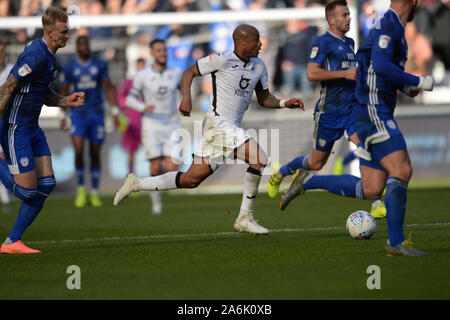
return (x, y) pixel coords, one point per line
(185, 107)
(294, 103)
(76, 99)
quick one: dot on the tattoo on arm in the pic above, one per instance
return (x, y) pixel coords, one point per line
(6, 91)
(55, 99)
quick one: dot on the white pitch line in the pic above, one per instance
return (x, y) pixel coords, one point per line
(194, 235)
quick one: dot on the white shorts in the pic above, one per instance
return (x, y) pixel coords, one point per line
(220, 139)
(160, 140)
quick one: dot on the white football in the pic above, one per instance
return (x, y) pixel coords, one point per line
(361, 225)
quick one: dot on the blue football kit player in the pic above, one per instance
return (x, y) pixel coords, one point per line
(88, 74)
(27, 171)
(333, 63)
(381, 59)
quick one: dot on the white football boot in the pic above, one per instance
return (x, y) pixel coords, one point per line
(246, 223)
(128, 187)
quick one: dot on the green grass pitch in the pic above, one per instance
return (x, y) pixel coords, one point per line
(192, 252)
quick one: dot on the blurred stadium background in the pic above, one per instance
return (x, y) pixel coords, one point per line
(120, 31)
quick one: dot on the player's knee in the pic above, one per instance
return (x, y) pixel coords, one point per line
(46, 185)
(263, 161)
(191, 182)
(316, 165)
(372, 191)
(25, 194)
(403, 172)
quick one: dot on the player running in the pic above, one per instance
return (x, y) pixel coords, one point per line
(334, 64)
(28, 171)
(235, 75)
(381, 60)
(154, 93)
(88, 74)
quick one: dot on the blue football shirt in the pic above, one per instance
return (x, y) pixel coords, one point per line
(87, 77)
(334, 53)
(36, 71)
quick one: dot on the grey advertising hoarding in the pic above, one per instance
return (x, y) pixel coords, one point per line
(283, 138)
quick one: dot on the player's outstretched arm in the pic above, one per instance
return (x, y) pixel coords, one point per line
(11, 85)
(267, 100)
(54, 99)
(186, 82)
(315, 72)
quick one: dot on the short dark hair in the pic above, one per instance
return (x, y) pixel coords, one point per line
(82, 38)
(152, 43)
(332, 5)
(52, 15)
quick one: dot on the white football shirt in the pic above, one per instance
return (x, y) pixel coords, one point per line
(158, 88)
(234, 81)
(5, 72)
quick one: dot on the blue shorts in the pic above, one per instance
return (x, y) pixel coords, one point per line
(325, 135)
(91, 127)
(379, 134)
(21, 144)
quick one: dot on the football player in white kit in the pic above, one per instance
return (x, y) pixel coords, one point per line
(235, 75)
(154, 93)
(5, 68)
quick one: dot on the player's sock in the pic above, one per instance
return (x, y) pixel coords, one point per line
(80, 176)
(395, 201)
(95, 177)
(297, 163)
(251, 182)
(30, 208)
(348, 158)
(5, 176)
(376, 202)
(166, 181)
(344, 185)
(130, 166)
(156, 198)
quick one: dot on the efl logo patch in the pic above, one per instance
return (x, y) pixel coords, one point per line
(24, 70)
(383, 41)
(314, 52)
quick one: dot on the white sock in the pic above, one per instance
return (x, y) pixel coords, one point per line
(251, 183)
(166, 181)
(376, 202)
(4, 194)
(156, 198)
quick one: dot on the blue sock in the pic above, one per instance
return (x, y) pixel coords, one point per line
(343, 185)
(95, 176)
(30, 208)
(395, 201)
(348, 158)
(80, 176)
(297, 163)
(5, 176)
